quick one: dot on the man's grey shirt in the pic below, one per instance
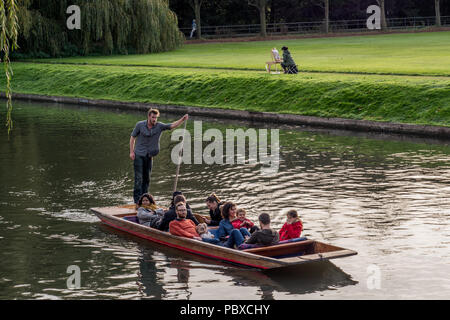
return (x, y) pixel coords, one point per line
(147, 142)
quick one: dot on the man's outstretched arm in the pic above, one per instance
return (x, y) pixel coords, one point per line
(177, 123)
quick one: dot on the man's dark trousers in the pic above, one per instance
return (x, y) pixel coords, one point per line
(142, 173)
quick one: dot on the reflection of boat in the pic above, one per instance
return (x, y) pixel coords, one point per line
(301, 279)
(281, 255)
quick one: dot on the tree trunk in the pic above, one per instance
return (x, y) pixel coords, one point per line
(438, 13)
(262, 17)
(272, 11)
(197, 6)
(327, 16)
(383, 14)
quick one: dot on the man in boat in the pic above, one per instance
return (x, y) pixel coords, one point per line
(147, 133)
(181, 226)
(266, 236)
(171, 214)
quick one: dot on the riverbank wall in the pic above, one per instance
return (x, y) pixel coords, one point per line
(264, 117)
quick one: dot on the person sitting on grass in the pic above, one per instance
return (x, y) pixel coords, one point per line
(293, 226)
(181, 226)
(170, 214)
(228, 235)
(148, 213)
(242, 222)
(266, 236)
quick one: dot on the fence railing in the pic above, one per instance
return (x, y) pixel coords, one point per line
(314, 27)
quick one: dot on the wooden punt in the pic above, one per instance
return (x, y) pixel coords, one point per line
(270, 257)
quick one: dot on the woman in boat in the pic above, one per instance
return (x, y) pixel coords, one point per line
(230, 236)
(171, 214)
(213, 203)
(292, 228)
(148, 213)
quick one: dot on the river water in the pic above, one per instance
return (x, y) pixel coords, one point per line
(387, 197)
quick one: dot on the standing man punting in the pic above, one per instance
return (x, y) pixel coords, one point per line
(147, 133)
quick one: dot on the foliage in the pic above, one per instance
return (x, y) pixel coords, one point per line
(107, 26)
(8, 42)
(232, 12)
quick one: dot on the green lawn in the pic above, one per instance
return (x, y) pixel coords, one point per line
(412, 53)
(419, 99)
(403, 78)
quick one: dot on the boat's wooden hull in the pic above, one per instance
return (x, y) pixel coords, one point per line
(261, 258)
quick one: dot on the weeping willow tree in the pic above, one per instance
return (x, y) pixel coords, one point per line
(107, 27)
(8, 42)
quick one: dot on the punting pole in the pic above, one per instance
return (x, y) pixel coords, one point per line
(179, 158)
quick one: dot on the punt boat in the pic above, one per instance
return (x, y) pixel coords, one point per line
(288, 253)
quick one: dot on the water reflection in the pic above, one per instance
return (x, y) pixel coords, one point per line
(161, 266)
(385, 196)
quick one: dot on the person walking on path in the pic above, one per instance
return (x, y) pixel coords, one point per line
(194, 27)
(144, 145)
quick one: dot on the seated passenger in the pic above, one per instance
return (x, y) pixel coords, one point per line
(170, 214)
(242, 222)
(265, 236)
(292, 228)
(148, 213)
(181, 226)
(228, 235)
(204, 233)
(213, 203)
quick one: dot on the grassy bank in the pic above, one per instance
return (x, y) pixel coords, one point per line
(403, 99)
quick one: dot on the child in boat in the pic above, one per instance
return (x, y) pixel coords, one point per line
(242, 222)
(148, 213)
(202, 230)
(206, 235)
(293, 226)
(265, 236)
